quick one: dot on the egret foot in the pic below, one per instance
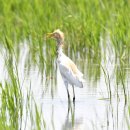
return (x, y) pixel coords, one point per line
(73, 94)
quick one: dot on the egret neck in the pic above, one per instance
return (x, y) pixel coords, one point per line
(59, 47)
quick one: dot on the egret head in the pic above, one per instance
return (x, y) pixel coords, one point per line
(58, 35)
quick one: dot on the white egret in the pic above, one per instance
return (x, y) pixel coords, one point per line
(69, 71)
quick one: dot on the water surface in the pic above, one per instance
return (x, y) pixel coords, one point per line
(100, 104)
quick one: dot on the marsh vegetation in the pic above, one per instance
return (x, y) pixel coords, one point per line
(97, 39)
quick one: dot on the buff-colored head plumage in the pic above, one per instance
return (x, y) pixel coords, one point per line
(57, 34)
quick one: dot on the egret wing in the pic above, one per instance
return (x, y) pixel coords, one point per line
(68, 73)
(74, 68)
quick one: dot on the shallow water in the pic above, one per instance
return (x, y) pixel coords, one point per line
(100, 104)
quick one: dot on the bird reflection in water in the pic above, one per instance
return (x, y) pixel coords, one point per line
(71, 123)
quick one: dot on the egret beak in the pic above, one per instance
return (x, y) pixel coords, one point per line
(49, 35)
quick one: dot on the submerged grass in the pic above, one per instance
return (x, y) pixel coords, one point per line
(108, 82)
(11, 108)
(15, 113)
(11, 100)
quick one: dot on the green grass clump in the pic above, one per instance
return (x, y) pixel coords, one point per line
(83, 21)
(11, 103)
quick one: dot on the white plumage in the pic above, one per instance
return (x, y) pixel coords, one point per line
(69, 71)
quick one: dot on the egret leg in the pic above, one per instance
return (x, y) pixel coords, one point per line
(73, 93)
(68, 94)
(69, 106)
(66, 84)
